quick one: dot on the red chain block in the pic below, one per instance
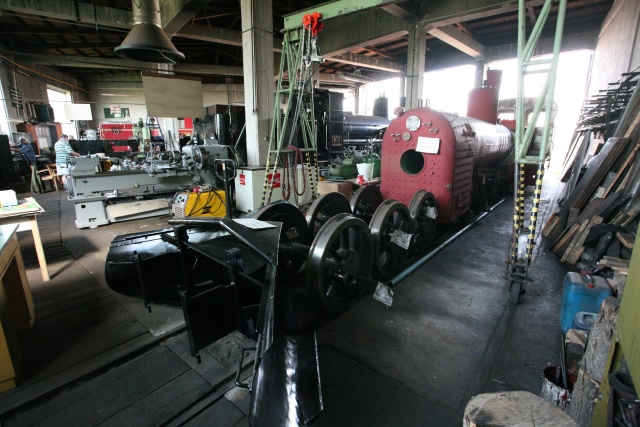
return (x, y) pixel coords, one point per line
(312, 23)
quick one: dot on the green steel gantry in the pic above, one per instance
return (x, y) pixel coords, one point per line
(521, 252)
(293, 109)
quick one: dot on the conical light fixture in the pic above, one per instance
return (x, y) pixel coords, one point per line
(147, 41)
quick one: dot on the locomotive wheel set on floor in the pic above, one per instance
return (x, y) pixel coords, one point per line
(349, 245)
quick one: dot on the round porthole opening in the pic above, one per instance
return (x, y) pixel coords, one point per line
(412, 162)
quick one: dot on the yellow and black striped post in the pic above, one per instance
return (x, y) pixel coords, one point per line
(312, 159)
(518, 212)
(535, 208)
(267, 187)
(521, 187)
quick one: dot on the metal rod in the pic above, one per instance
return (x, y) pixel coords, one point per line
(227, 196)
(537, 30)
(220, 222)
(563, 362)
(244, 127)
(413, 267)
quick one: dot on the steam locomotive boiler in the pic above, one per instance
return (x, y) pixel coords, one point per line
(440, 153)
(444, 154)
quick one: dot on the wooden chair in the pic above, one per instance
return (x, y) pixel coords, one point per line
(50, 174)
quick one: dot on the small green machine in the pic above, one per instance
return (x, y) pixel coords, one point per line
(348, 169)
(345, 170)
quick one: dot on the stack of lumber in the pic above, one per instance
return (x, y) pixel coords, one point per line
(598, 218)
(603, 111)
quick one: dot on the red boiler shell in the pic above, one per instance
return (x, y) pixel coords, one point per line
(439, 156)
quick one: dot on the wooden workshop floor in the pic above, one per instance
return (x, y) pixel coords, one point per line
(88, 360)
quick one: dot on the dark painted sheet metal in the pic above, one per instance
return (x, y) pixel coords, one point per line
(286, 386)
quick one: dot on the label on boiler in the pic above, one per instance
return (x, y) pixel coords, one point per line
(428, 145)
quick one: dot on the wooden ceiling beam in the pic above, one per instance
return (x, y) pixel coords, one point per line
(368, 62)
(531, 13)
(461, 41)
(380, 52)
(124, 64)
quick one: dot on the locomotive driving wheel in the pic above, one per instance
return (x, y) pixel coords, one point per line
(324, 208)
(340, 257)
(422, 210)
(390, 230)
(294, 230)
(365, 201)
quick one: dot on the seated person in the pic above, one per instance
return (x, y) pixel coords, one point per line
(25, 148)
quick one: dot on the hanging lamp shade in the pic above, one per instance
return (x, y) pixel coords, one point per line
(147, 41)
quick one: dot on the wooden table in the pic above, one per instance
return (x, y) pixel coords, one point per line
(24, 215)
(16, 305)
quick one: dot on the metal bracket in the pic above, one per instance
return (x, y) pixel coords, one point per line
(314, 54)
(239, 371)
(145, 291)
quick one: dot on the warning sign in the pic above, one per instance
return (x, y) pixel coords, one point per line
(275, 183)
(243, 179)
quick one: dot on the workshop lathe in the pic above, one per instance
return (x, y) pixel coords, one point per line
(142, 190)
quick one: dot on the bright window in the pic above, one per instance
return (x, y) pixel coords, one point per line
(57, 99)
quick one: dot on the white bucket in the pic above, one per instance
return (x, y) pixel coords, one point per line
(552, 391)
(366, 170)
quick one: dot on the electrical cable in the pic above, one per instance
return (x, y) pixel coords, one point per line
(212, 194)
(79, 89)
(206, 204)
(194, 204)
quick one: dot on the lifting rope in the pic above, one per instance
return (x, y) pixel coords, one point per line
(290, 172)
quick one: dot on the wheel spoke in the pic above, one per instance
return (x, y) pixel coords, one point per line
(384, 259)
(397, 220)
(331, 291)
(336, 255)
(344, 240)
(354, 239)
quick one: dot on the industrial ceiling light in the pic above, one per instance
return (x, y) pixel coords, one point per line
(146, 40)
(356, 78)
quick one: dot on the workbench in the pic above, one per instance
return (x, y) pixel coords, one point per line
(24, 216)
(16, 305)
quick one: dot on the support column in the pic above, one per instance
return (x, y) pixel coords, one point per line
(479, 74)
(257, 60)
(403, 87)
(415, 66)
